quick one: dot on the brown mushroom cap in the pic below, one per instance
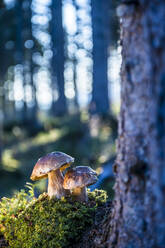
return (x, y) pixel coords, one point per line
(79, 177)
(50, 162)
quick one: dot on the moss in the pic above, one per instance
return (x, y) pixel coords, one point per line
(27, 222)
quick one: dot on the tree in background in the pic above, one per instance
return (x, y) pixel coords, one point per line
(6, 45)
(1, 97)
(31, 44)
(100, 26)
(58, 59)
(138, 216)
(74, 58)
(7, 18)
(19, 55)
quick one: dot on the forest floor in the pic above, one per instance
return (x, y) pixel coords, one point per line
(92, 143)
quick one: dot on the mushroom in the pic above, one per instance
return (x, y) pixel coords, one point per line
(77, 179)
(51, 166)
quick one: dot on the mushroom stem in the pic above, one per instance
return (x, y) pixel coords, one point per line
(55, 184)
(80, 194)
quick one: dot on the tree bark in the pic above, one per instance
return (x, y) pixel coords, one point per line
(100, 19)
(138, 217)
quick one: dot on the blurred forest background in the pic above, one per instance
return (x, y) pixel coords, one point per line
(59, 86)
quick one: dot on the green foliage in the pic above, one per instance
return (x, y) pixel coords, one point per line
(27, 222)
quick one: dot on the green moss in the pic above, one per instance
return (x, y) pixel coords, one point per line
(98, 195)
(27, 222)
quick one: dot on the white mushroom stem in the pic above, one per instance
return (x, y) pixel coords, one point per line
(55, 185)
(80, 194)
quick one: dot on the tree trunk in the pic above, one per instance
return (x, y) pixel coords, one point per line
(19, 51)
(100, 19)
(1, 134)
(58, 56)
(31, 51)
(75, 62)
(138, 218)
(30, 118)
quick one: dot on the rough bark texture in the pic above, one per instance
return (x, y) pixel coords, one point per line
(138, 217)
(100, 18)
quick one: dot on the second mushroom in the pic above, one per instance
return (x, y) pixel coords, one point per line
(77, 179)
